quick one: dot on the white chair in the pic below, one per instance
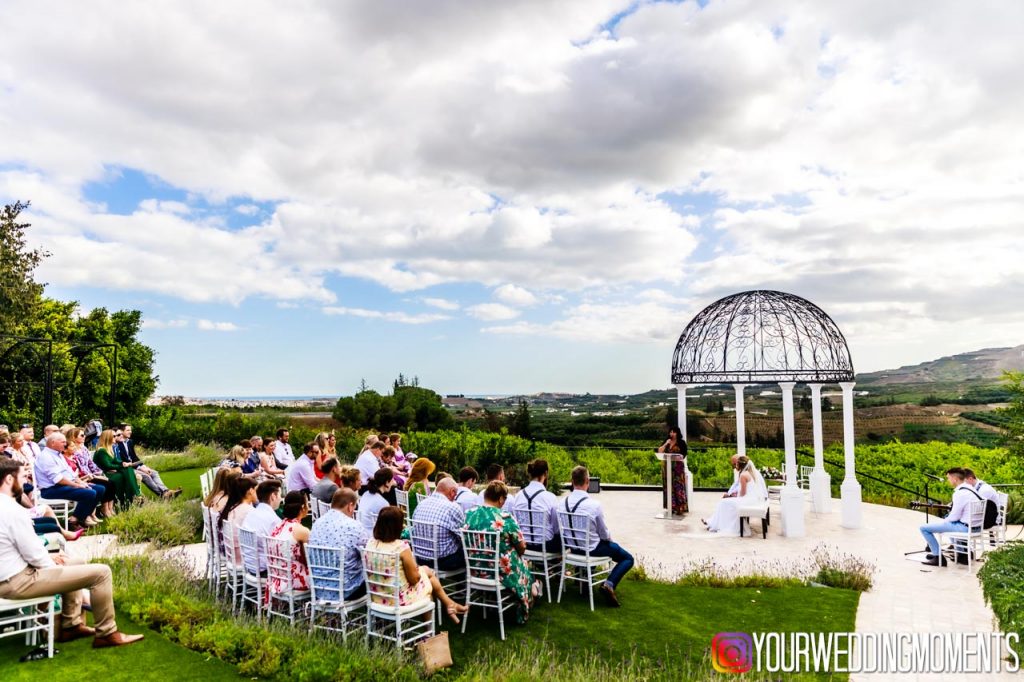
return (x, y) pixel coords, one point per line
(22, 616)
(254, 560)
(328, 609)
(213, 557)
(419, 498)
(368, 519)
(317, 508)
(234, 570)
(544, 565)
(997, 533)
(576, 541)
(424, 537)
(970, 542)
(755, 510)
(206, 481)
(284, 601)
(61, 508)
(483, 576)
(383, 583)
(803, 479)
(402, 498)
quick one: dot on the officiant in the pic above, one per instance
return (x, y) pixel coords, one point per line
(675, 445)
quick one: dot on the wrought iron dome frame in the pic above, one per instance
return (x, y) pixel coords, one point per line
(761, 336)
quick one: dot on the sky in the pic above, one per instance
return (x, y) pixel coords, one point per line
(514, 197)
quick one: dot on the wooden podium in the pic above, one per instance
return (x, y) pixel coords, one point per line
(666, 490)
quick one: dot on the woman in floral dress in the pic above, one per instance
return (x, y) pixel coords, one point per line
(676, 445)
(515, 571)
(291, 527)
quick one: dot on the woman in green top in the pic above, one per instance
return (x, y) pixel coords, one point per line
(126, 487)
(418, 482)
(514, 570)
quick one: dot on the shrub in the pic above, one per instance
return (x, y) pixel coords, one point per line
(166, 523)
(1002, 583)
(844, 571)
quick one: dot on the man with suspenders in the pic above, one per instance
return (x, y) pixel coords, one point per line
(537, 497)
(465, 497)
(957, 519)
(579, 502)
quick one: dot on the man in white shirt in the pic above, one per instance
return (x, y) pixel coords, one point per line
(579, 502)
(986, 491)
(368, 462)
(263, 519)
(27, 570)
(464, 496)
(47, 430)
(957, 519)
(30, 448)
(534, 504)
(496, 472)
(283, 452)
(301, 474)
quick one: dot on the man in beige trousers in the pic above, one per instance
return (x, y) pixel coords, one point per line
(27, 570)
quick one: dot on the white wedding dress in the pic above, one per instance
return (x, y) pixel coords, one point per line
(726, 519)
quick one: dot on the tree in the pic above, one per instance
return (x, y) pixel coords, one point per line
(19, 293)
(519, 425)
(408, 407)
(1014, 413)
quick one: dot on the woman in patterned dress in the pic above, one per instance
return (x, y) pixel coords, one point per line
(676, 445)
(416, 583)
(515, 571)
(295, 509)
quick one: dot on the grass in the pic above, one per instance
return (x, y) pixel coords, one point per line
(186, 479)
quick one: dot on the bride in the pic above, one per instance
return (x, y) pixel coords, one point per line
(752, 489)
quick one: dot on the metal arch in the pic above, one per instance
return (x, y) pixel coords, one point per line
(761, 336)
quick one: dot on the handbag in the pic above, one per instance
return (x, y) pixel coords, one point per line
(434, 653)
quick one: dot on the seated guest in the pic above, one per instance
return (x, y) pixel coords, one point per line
(55, 479)
(219, 491)
(515, 571)
(387, 458)
(957, 519)
(752, 490)
(241, 502)
(43, 519)
(268, 463)
(374, 499)
(465, 497)
(249, 460)
(496, 472)
(80, 460)
(418, 481)
(339, 529)
(124, 449)
(579, 502)
(121, 477)
(369, 461)
(291, 528)
(323, 441)
(536, 497)
(328, 485)
(300, 475)
(27, 570)
(370, 440)
(417, 583)
(349, 477)
(439, 508)
(263, 519)
(986, 491)
(401, 461)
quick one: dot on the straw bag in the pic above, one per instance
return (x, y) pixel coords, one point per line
(434, 653)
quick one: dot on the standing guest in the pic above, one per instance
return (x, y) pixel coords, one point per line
(579, 502)
(262, 520)
(121, 477)
(105, 490)
(369, 460)
(300, 476)
(536, 497)
(418, 481)
(417, 583)
(240, 502)
(956, 520)
(351, 478)
(221, 489)
(374, 499)
(465, 497)
(675, 445)
(92, 432)
(290, 527)
(56, 480)
(326, 487)
(283, 451)
(268, 463)
(440, 509)
(339, 529)
(514, 570)
(124, 449)
(27, 571)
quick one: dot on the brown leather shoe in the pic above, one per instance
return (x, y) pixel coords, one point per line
(77, 632)
(115, 639)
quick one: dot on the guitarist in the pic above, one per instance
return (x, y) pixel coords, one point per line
(955, 521)
(980, 487)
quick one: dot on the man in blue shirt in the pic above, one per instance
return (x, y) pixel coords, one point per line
(55, 479)
(339, 529)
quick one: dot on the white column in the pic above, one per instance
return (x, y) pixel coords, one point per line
(681, 421)
(850, 489)
(741, 429)
(791, 498)
(821, 482)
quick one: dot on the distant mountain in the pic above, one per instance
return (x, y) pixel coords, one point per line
(988, 363)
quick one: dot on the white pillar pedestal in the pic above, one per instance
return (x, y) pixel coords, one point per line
(681, 422)
(741, 429)
(791, 498)
(850, 489)
(821, 482)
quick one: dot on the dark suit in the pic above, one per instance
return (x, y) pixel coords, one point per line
(125, 451)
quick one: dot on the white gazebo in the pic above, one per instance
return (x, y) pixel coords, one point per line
(761, 337)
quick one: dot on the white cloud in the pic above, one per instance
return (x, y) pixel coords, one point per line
(515, 295)
(492, 311)
(646, 322)
(247, 209)
(403, 318)
(442, 303)
(153, 323)
(210, 326)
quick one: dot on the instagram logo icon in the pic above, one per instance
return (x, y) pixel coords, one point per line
(732, 652)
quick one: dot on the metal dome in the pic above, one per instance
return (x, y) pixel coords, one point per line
(759, 337)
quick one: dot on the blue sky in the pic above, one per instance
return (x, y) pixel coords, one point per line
(525, 197)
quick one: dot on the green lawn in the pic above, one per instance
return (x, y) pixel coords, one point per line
(154, 658)
(186, 479)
